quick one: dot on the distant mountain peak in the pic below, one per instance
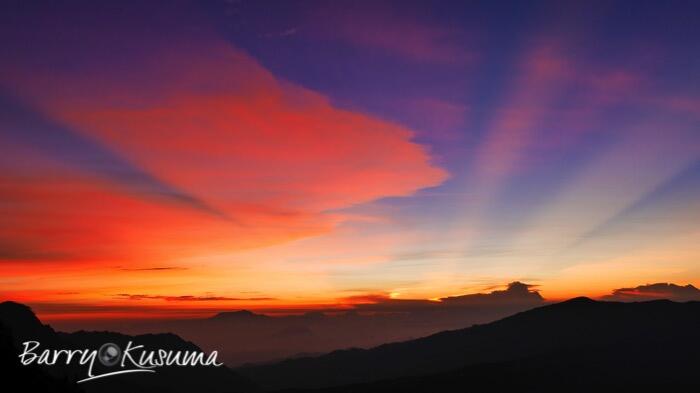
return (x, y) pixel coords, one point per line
(579, 300)
(314, 314)
(237, 315)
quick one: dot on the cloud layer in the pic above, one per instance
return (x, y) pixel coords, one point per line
(515, 294)
(655, 291)
(145, 150)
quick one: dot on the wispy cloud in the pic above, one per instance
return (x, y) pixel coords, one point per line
(156, 268)
(189, 298)
(396, 31)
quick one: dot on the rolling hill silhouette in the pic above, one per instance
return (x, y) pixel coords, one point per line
(575, 346)
(18, 324)
(579, 344)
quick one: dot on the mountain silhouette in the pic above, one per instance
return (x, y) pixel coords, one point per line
(240, 315)
(571, 345)
(30, 378)
(246, 337)
(19, 324)
(578, 345)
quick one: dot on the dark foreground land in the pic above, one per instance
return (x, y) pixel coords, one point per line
(577, 345)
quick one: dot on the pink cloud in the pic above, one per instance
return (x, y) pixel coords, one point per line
(394, 31)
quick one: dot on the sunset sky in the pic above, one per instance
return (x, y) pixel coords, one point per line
(176, 158)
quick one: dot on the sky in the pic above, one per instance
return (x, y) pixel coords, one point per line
(177, 158)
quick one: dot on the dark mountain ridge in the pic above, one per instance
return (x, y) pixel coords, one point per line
(630, 336)
(579, 345)
(19, 324)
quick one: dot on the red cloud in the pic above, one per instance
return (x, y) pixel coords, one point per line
(210, 121)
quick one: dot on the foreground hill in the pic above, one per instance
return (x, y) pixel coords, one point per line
(574, 344)
(18, 324)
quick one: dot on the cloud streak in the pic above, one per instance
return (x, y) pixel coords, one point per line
(20, 124)
(189, 298)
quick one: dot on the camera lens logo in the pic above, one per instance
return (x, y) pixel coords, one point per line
(109, 354)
